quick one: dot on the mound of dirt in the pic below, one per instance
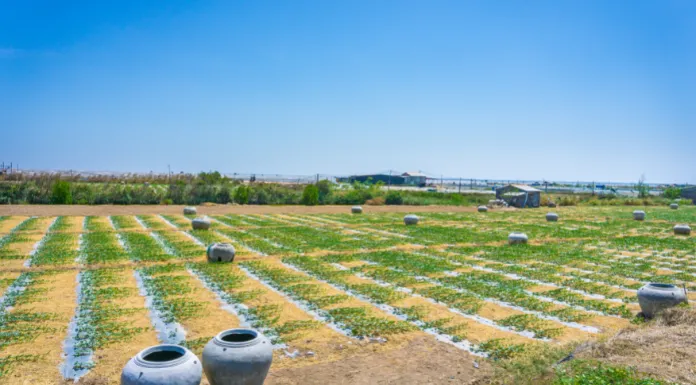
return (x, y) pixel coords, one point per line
(664, 348)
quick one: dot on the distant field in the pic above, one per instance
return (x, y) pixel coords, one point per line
(323, 286)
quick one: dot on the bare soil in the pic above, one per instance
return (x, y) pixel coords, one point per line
(422, 361)
(55, 210)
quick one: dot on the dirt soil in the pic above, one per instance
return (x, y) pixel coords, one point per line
(55, 210)
(422, 361)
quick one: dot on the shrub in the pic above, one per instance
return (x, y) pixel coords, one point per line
(61, 193)
(324, 187)
(241, 195)
(310, 195)
(672, 192)
(394, 198)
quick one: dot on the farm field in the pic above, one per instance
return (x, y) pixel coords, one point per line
(80, 295)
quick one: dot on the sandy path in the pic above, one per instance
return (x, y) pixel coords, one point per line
(55, 210)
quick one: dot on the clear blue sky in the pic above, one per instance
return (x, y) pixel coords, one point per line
(565, 90)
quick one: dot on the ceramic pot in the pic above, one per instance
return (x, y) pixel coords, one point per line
(482, 209)
(654, 297)
(674, 206)
(201, 223)
(551, 217)
(639, 215)
(517, 238)
(163, 365)
(356, 210)
(190, 210)
(220, 252)
(682, 230)
(237, 357)
(411, 219)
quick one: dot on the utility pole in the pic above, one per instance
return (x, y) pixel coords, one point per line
(389, 183)
(460, 185)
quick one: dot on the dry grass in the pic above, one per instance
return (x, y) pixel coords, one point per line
(664, 348)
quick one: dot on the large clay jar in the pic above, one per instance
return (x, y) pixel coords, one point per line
(552, 204)
(682, 230)
(220, 252)
(551, 217)
(482, 209)
(654, 297)
(674, 206)
(237, 357)
(639, 215)
(201, 223)
(411, 219)
(163, 365)
(517, 238)
(356, 210)
(190, 210)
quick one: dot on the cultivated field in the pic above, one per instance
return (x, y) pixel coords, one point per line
(81, 295)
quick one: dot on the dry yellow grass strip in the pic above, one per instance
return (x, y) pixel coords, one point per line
(23, 248)
(59, 300)
(10, 223)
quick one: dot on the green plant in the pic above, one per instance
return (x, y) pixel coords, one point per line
(595, 373)
(62, 193)
(310, 195)
(241, 195)
(394, 198)
(672, 192)
(642, 188)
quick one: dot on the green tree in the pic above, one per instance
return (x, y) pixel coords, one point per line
(642, 187)
(241, 195)
(310, 195)
(62, 194)
(394, 198)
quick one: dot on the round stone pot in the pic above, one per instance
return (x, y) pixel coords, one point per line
(201, 223)
(517, 238)
(190, 210)
(411, 219)
(482, 209)
(552, 204)
(356, 210)
(162, 365)
(654, 297)
(220, 252)
(682, 230)
(639, 215)
(674, 206)
(552, 217)
(237, 357)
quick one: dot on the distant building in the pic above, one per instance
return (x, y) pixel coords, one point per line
(415, 178)
(519, 195)
(373, 178)
(689, 192)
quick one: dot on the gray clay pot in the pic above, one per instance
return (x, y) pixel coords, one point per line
(639, 215)
(517, 238)
(190, 210)
(411, 219)
(674, 206)
(356, 210)
(201, 223)
(654, 297)
(551, 217)
(682, 230)
(237, 357)
(482, 209)
(220, 252)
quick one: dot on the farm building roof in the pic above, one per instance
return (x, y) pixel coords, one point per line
(414, 174)
(524, 187)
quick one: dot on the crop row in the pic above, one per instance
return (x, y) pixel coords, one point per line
(97, 321)
(356, 321)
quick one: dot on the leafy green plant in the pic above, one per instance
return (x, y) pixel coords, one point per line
(62, 193)
(310, 195)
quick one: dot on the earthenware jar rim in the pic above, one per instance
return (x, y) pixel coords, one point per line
(141, 361)
(218, 340)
